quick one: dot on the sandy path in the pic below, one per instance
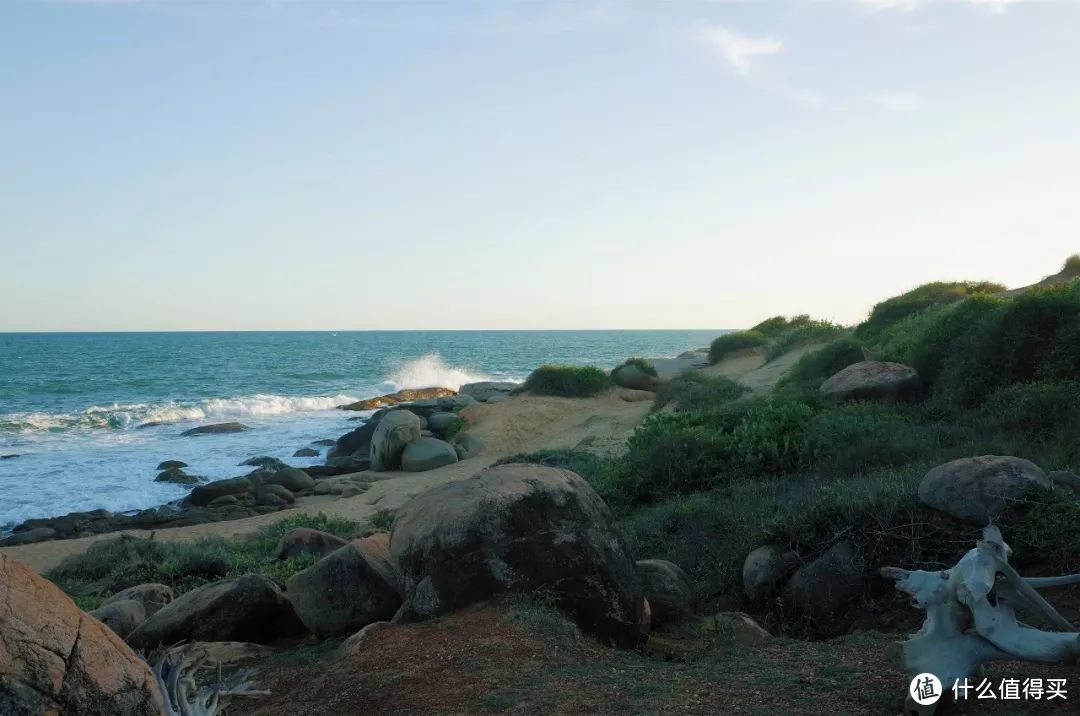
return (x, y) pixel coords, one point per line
(520, 424)
(749, 367)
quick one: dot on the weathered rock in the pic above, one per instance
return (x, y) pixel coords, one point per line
(497, 399)
(402, 396)
(349, 588)
(485, 390)
(38, 534)
(340, 466)
(821, 590)
(151, 595)
(216, 429)
(453, 403)
(667, 589)
(306, 452)
(976, 489)
(874, 380)
(427, 454)
(177, 476)
(170, 464)
(292, 479)
(121, 616)
(54, 659)
(279, 492)
(355, 643)
(10, 456)
(765, 570)
(1065, 480)
(303, 540)
(325, 442)
(250, 608)
(396, 430)
(265, 462)
(205, 494)
(223, 501)
(469, 444)
(439, 423)
(518, 528)
(636, 396)
(633, 377)
(338, 485)
(356, 442)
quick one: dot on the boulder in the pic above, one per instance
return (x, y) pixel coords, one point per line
(121, 616)
(151, 595)
(636, 396)
(1065, 480)
(205, 494)
(225, 653)
(454, 403)
(325, 442)
(223, 501)
(250, 608)
(468, 445)
(55, 659)
(821, 590)
(292, 479)
(216, 429)
(277, 491)
(37, 534)
(355, 442)
(976, 489)
(427, 454)
(264, 462)
(170, 464)
(518, 528)
(340, 466)
(177, 476)
(485, 390)
(497, 399)
(349, 588)
(874, 380)
(402, 396)
(439, 423)
(303, 540)
(632, 376)
(306, 452)
(355, 643)
(667, 589)
(765, 570)
(396, 430)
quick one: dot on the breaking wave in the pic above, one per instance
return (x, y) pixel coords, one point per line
(431, 371)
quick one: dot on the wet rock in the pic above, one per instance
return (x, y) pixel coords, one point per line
(264, 462)
(205, 494)
(177, 476)
(306, 452)
(216, 429)
(402, 396)
(171, 464)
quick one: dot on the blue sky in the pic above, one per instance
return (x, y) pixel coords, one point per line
(308, 165)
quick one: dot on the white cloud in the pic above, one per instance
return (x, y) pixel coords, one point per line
(891, 4)
(995, 6)
(740, 51)
(898, 101)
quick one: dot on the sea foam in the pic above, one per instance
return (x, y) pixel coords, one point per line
(432, 371)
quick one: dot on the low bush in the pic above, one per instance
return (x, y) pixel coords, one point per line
(115, 564)
(772, 327)
(695, 392)
(816, 367)
(732, 342)
(1072, 266)
(808, 332)
(919, 299)
(640, 363)
(567, 381)
(1038, 411)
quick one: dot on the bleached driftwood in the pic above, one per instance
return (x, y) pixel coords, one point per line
(970, 618)
(175, 672)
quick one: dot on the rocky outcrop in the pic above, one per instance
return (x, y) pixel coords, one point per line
(397, 429)
(306, 452)
(427, 454)
(667, 588)
(251, 608)
(402, 396)
(439, 423)
(264, 462)
(765, 570)
(204, 494)
(484, 391)
(518, 528)
(30, 536)
(54, 659)
(351, 587)
(292, 479)
(355, 442)
(874, 380)
(466, 446)
(170, 464)
(216, 429)
(976, 489)
(303, 540)
(177, 476)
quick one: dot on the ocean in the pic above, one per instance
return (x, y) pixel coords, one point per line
(71, 403)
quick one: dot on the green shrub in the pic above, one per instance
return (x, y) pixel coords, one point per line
(1072, 266)
(453, 429)
(801, 335)
(918, 300)
(567, 381)
(816, 367)
(731, 342)
(1039, 410)
(668, 455)
(772, 327)
(382, 520)
(641, 364)
(695, 392)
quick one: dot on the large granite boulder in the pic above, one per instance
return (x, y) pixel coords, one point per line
(467, 445)
(818, 592)
(250, 608)
(427, 454)
(55, 659)
(351, 587)
(976, 489)
(121, 616)
(484, 391)
(292, 479)
(874, 380)
(355, 442)
(521, 529)
(402, 396)
(667, 588)
(216, 429)
(151, 595)
(205, 494)
(303, 540)
(439, 423)
(397, 429)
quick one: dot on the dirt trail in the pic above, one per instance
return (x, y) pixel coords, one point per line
(749, 367)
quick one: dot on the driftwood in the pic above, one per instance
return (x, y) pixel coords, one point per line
(175, 672)
(971, 620)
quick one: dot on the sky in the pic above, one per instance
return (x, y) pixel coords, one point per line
(243, 165)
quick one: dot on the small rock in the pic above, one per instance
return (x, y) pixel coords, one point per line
(396, 430)
(439, 423)
(821, 590)
(1065, 480)
(216, 429)
(306, 452)
(667, 589)
(765, 569)
(279, 492)
(427, 454)
(303, 540)
(469, 444)
(264, 462)
(121, 616)
(170, 464)
(292, 479)
(204, 494)
(9, 456)
(633, 377)
(177, 476)
(153, 596)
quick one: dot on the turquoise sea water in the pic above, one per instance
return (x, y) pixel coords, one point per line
(71, 403)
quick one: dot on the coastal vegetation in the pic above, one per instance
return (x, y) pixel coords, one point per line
(729, 343)
(640, 363)
(567, 381)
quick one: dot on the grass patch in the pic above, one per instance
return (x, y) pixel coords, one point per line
(539, 614)
(731, 342)
(809, 332)
(816, 367)
(695, 392)
(111, 565)
(383, 519)
(640, 363)
(567, 381)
